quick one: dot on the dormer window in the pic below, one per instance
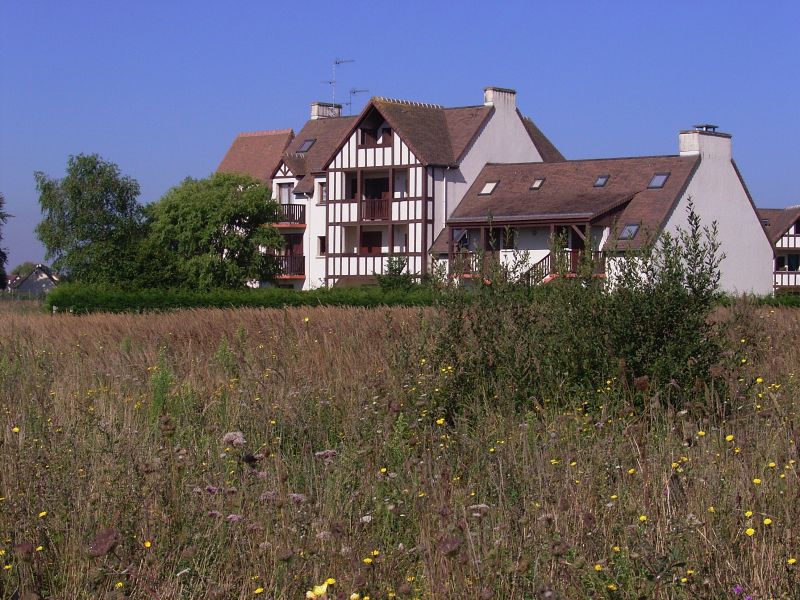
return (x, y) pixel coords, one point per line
(369, 137)
(629, 231)
(386, 136)
(305, 146)
(658, 181)
(765, 222)
(601, 180)
(537, 184)
(488, 188)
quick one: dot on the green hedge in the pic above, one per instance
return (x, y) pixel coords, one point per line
(81, 299)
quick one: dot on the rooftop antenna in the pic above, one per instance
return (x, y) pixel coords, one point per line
(332, 82)
(353, 92)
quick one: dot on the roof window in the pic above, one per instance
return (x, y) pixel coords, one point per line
(537, 183)
(629, 231)
(601, 180)
(658, 181)
(306, 146)
(488, 188)
(765, 222)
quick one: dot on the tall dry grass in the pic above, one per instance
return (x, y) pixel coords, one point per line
(115, 480)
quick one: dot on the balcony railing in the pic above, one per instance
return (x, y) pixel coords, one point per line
(294, 214)
(291, 265)
(788, 279)
(564, 262)
(376, 210)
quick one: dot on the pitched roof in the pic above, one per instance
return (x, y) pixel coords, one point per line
(545, 147)
(256, 153)
(778, 220)
(568, 192)
(37, 275)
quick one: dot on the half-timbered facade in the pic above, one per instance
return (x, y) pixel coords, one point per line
(783, 229)
(403, 167)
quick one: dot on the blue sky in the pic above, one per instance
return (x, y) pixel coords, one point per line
(162, 87)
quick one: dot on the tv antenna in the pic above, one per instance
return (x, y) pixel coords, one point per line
(353, 92)
(332, 82)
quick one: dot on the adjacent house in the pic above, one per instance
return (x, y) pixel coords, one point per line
(783, 229)
(36, 283)
(427, 184)
(256, 153)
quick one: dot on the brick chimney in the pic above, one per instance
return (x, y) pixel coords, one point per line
(704, 140)
(325, 110)
(500, 98)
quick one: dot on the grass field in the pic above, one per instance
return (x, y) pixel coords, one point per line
(260, 453)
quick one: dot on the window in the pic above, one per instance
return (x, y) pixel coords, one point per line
(350, 186)
(629, 231)
(369, 137)
(322, 245)
(765, 222)
(401, 183)
(322, 193)
(371, 242)
(285, 193)
(658, 181)
(386, 136)
(306, 146)
(602, 180)
(460, 239)
(488, 188)
(537, 183)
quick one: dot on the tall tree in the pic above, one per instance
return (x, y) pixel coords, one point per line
(91, 220)
(212, 232)
(3, 256)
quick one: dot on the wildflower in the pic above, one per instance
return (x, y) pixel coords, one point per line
(759, 380)
(750, 532)
(39, 548)
(330, 581)
(748, 514)
(355, 596)
(147, 543)
(711, 509)
(43, 514)
(631, 471)
(598, 568)
(234, 438)
(737, 589)
(440, 421)
(756, 481)
(375, 553)
(367, 560)
(615, 548)
(491, 450)
(8, 567)
(258, 590)
(119, 585)
(729, 438)
(15, 429)
(383, 469)
(701, 433)
(553, 461)
(643, 518)
(767, 521)
(791, 561)
(234, 518)
(306, 319)
(612, 587)
(772, 465)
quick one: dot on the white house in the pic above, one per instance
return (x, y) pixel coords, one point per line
(423, 182)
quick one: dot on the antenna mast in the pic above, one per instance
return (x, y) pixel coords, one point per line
(332, 82)
(353, 92)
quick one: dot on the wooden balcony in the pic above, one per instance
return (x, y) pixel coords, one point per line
(376, 210)
(291, 214)
(566, 262)
(292, 266)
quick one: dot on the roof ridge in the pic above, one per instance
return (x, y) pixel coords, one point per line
(264, 132)
(578, 160)
(407, 102)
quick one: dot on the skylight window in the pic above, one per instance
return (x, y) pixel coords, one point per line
(602, 180)
(488, 188)
(658, 181)
(629, 231)
(537, 183)
(306, 146)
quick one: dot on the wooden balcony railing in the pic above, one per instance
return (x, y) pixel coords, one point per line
(292, 213)
(565, 261)
(291, 265)
(376, 210)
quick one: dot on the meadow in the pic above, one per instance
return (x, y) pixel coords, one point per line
(307, 452)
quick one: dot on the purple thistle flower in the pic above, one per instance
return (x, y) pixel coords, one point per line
(737, 589)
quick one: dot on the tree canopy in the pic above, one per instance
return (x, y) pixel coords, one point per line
(210, 233)
(23, 269)
(91, 220)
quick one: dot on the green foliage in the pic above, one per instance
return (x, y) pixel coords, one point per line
(23, 269)
(79, 298)
(3, 256)
(91, 221)
(209, 233)
(397, 276)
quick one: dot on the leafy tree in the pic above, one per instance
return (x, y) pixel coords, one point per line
(3, 256)
(23, 269)
(213, 232)
(91, 221)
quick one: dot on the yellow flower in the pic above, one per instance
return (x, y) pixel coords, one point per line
(147, 544)
(15, 429)
(367, 561)
(631, 471)
(791, 561)
(612, 587)
(355, 596)
(310, 595)
(440, 421)
(491, 450)
(39, 548)
(756, 481)
(7, 567)
(598, 568)
(258, 590)
(748, 514)
(767, 521)
(690, 571)
(375, 552)
(615, 548)
(330, 581)
(750, 531)
(643, 518)
(43, 514)
(383, 469)
(614, 496)
(306, 319)
(772, 465)
(759, 380)
(711, 509)
(320, 589)
(729, 438)
(701, 433)
(119, 585)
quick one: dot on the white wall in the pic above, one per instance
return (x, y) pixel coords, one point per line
(718, 196)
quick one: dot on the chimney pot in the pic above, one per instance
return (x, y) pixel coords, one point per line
(325, 110)
(500, 97)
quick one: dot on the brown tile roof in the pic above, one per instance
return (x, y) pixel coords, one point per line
(256, 153)
(328, 133)
(779, 220)
(568, 193)
(463, 125)
(545, 147)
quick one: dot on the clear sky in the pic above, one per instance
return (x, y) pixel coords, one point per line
(162, 87)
